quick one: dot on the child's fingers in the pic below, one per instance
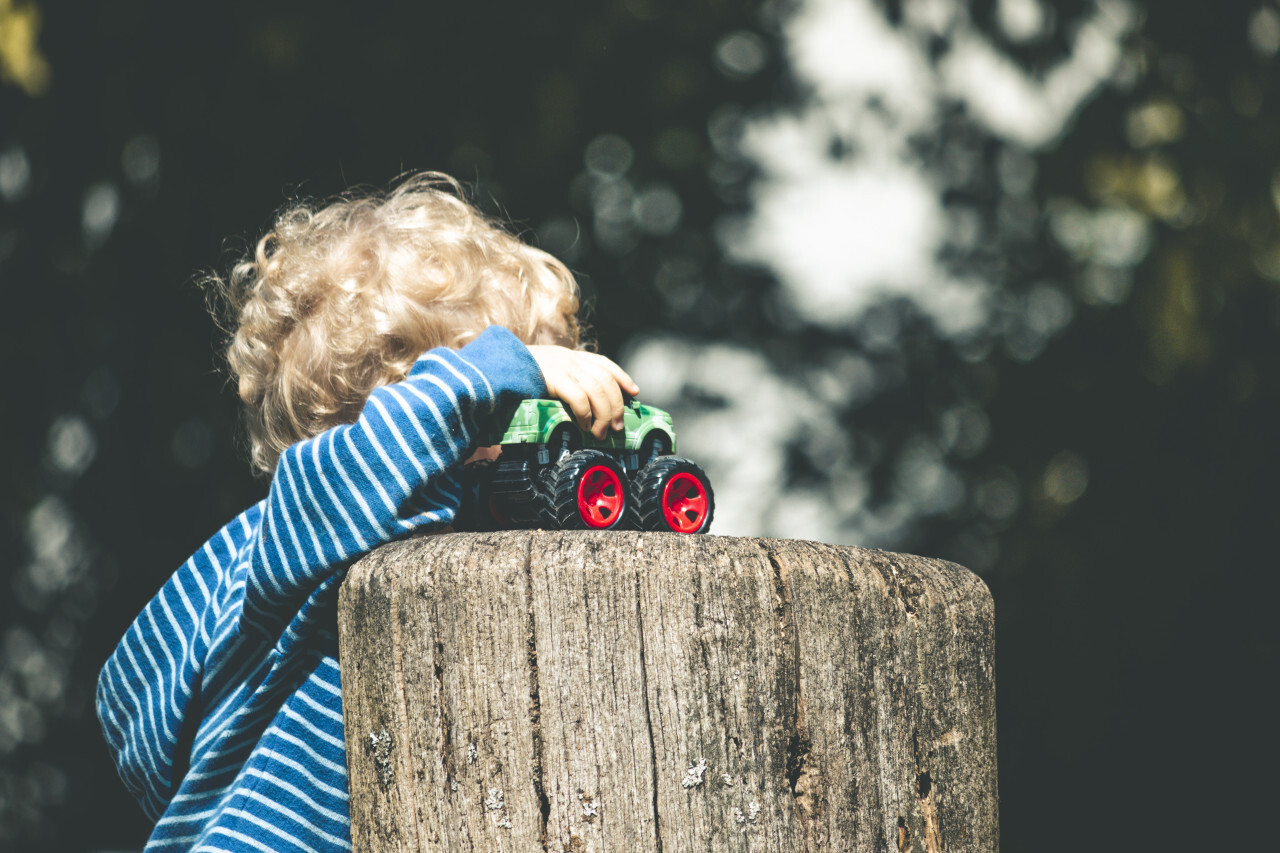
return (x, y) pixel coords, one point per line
(590, 385)
(575, 397)
(613, 383)
(605, 396)
(588, 398)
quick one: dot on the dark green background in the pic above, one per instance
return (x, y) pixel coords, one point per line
(1135, 646)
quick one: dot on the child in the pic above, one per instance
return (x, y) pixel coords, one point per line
(373, 336)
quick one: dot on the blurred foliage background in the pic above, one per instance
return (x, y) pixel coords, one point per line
(999, 278)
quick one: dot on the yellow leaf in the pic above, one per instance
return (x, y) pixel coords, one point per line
(21, 61)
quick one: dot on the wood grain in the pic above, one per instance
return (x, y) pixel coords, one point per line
(579, 691)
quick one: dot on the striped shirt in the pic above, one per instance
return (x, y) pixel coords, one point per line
(222, 704)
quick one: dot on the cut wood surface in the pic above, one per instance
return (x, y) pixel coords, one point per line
(561, 691)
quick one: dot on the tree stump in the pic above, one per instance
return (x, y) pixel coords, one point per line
(558, 691)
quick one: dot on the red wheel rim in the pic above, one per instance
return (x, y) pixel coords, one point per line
(600, 499)
(684, 503)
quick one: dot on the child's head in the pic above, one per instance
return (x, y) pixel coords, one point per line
(340, 299)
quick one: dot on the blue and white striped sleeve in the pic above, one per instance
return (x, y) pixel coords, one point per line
(147, 686)
(340, 494)
(333, 498)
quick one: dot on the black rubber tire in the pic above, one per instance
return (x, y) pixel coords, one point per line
(478, 511)
(561, 510)
(649, 484)
(473, 476)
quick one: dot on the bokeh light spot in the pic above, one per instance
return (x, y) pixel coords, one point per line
(964, 430)
(15, 173)
(725, 127)
(1065, 478)
(679, 283)
(99, 213)
(1264, 31)
(657, 210)
(609, 155)
(740, 55)
(999, 495)
(72, 445)
(140, 159)
(1023, 20)
(562, 237)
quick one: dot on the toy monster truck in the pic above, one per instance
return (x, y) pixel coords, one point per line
(553, 474)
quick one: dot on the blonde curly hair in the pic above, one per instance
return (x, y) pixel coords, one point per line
(339, 299)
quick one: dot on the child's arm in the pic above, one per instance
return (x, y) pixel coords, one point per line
(333, 498)
(340, 494)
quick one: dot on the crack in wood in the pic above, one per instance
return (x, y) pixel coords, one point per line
(926, 793)
(407, 788)
(535, 700)
(648, 716)
(446, 725)
(800, 777)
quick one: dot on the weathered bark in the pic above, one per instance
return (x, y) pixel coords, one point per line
(650, 692)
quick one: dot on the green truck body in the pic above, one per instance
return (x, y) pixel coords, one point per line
(534, 422)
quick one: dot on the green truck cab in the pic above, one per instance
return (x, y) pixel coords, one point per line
(555, 475)
(535, 422)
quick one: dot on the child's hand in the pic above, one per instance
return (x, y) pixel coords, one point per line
(589, 384)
